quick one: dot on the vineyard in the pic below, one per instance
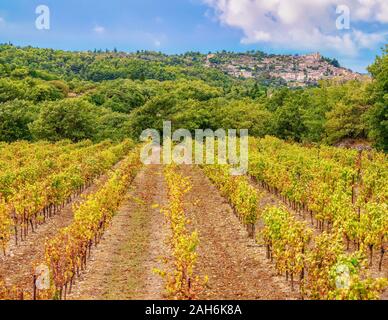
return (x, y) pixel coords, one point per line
(90, 221)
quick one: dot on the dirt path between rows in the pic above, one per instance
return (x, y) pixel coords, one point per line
(121, 267)
(16, 268)
(236, 266)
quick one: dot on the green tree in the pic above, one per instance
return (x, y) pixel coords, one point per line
(72, 119)
(45, 92)
(314, 113)
(112, 125)
(378, 115)
(120, 95)
(15, 116)
(153, 113)
(348, 104)
(10, 90)
(288, 122)
(343, 121)
(246, 114)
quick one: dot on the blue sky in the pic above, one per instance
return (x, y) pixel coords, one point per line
(176, 26)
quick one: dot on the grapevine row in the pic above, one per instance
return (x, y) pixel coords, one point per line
(315, 263)
(325, 270)
(343, 190)
(67, 253)
(243, 198)
(181, 281)
(29, 202)
(20, 154)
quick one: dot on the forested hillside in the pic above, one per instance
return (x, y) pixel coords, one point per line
(54, 95)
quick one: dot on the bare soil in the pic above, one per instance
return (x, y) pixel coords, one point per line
(236, 266)
(121, 267)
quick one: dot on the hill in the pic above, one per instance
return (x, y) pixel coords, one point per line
(98, 65)
(291, 70)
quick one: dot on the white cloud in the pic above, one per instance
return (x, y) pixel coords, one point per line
(370, 10)
(382, 15)
(2, 20)
(370, 40)
(260, 36)
(99, 29)
(303, 24)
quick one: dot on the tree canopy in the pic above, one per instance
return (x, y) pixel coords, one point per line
(54, 94)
